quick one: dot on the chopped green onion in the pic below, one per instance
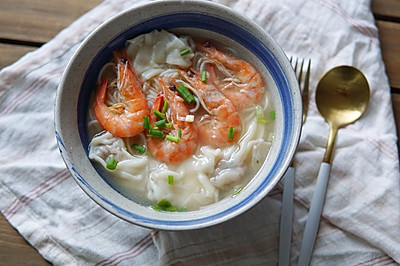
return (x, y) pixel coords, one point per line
(155, 133)
(179, 133)
(160, 123)
(204, 76)
(260, 115)
(164, 109)
(156, 208)
(146, 122)
(172, 138)
(184, 52)
(171, 209)
(262, 121)
(184, 92)
(230, 133)
(140, 149)
(237, 191)
(272, 115)
(169, 124)
(159, 114)
(170, 179)
(111, 164)
(164, 203)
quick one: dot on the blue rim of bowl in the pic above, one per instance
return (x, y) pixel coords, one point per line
(211, 23)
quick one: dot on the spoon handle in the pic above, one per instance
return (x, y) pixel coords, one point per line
(314, 215)
(286, 218)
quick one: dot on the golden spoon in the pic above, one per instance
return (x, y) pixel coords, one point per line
(342, 96)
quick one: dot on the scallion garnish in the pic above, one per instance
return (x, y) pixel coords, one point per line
(146, 122)
(172, 138)
(140, 149)
(164, 109)
(169, 124)
(159, 114)
(260, 115)
(179, 133)
(204, 76)
(111, 164)
(262, 121)
(231, 132)
(155, 133)
(170, 179)
(184, 92)
(272, 115)
(164, 203)
(171, 209)
(237, 191)
(184, 52)
(160, 123)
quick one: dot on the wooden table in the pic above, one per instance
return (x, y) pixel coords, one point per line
(25, 25)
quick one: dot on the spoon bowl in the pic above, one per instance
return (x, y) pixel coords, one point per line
(342, 97)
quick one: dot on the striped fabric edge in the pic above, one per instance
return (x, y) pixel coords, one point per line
(32, 231)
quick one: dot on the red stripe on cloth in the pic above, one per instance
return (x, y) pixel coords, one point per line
(389, 151)
(31, 89)
(135, 254)
(381, 259)
(132, 252)
(36, 193)
(358, 25)
(10, 105)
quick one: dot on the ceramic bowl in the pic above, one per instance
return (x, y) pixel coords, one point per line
(194, 17)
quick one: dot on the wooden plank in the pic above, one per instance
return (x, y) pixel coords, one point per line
(39, 20)
(386, 8)
(396, 110)
(14, 250)
(11, 53)
(389, 34)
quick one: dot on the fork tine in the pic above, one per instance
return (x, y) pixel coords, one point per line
(304, 94)
(298, 70)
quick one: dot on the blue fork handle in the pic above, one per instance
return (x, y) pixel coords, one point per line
(314, 215)
(286, 218)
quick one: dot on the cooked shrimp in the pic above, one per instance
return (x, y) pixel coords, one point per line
(221, 116)
(242, 83)
(185, 132)
(123, 119)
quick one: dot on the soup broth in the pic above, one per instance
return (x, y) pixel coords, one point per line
(212, 144)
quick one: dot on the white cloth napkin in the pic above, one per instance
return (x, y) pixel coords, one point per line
(361, 217)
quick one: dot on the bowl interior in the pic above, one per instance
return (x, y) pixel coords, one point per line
(201, 19)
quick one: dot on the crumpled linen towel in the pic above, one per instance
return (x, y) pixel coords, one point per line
(361, 217)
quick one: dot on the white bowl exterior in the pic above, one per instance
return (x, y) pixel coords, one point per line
(69, 126)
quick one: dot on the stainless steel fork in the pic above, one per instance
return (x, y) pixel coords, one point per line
(288, 189)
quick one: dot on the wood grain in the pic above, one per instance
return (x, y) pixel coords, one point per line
(396, 110)
(14, 250)
(11, 53)
(39, 20)
(386, 8)
(389, 34)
